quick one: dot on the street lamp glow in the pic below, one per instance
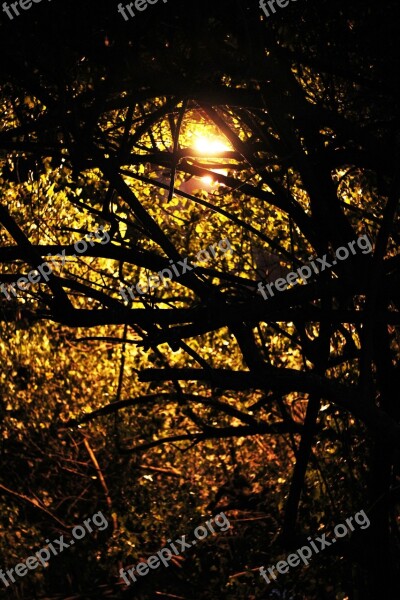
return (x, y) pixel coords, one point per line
(209, 146)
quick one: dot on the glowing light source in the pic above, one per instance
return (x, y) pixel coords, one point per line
(209, 146)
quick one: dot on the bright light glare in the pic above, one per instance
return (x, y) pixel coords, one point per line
(209, 146)
(207, 179)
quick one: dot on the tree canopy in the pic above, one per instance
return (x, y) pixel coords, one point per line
(195, 125)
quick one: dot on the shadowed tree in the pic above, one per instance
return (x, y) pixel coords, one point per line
(186, 127)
